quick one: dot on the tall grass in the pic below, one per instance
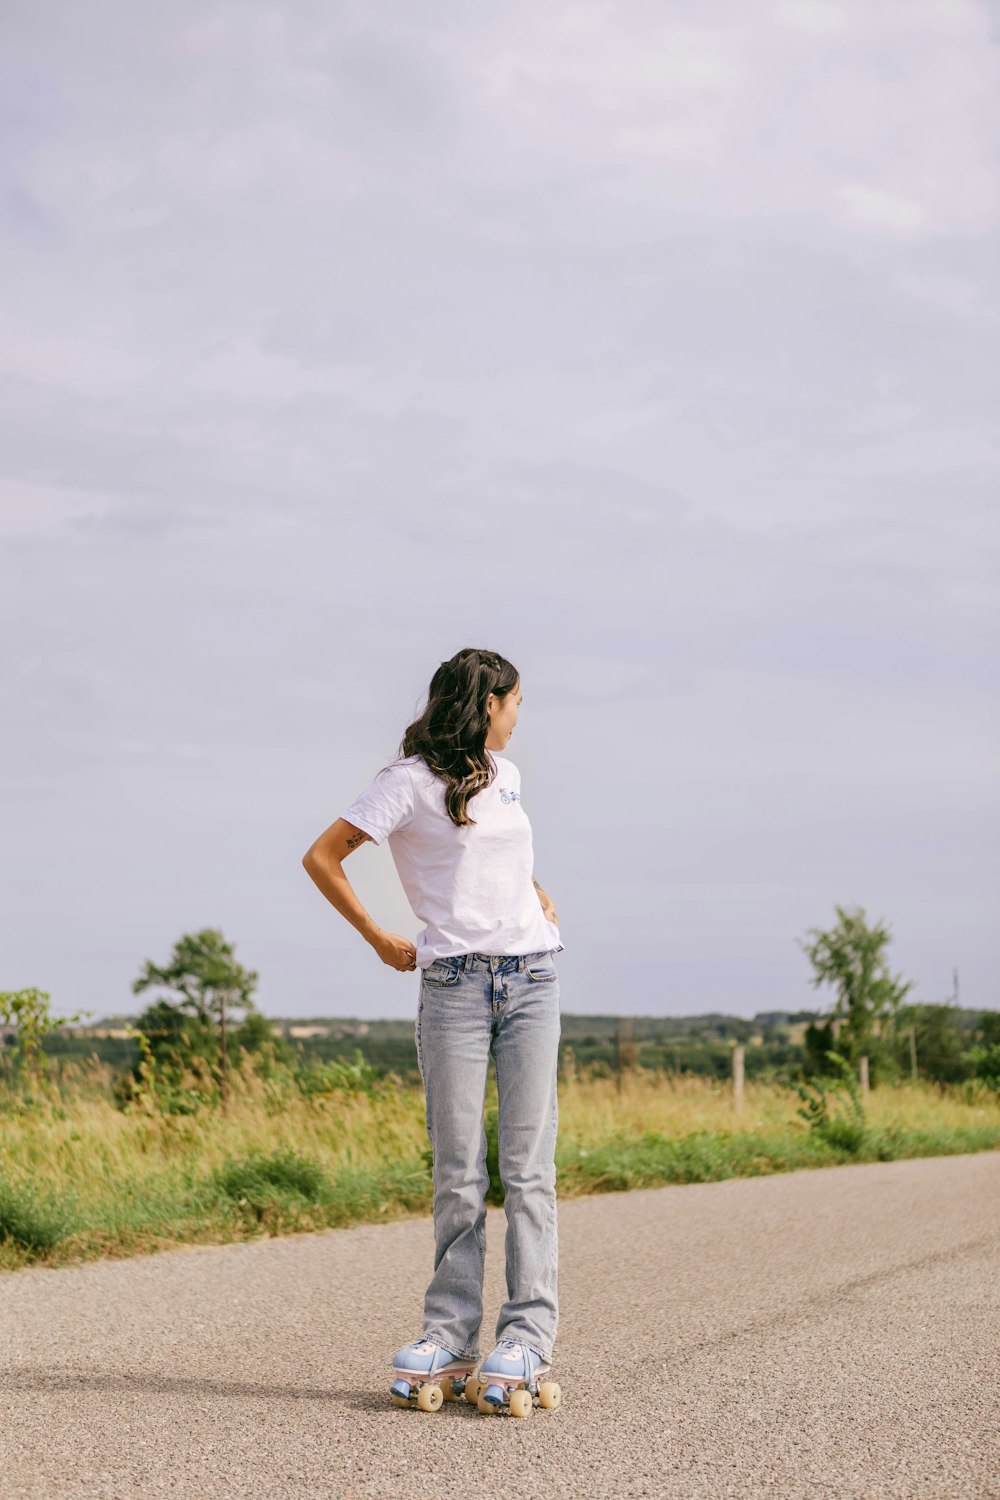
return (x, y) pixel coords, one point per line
(80, 1178)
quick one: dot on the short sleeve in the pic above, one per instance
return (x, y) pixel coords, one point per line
(385, 805)
(514, 772)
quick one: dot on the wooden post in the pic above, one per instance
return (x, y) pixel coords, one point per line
(739, 1055)
(623, 1049)
(863, 1066)
(913, 1053)
(224, 1057)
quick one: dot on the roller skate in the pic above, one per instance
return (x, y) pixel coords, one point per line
(427, 1375)
(510, 1376)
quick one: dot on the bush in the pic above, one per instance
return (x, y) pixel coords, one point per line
(844, 1132)
(340, 1076)
(258, 1180)
(985, 1064)
(32, 1222)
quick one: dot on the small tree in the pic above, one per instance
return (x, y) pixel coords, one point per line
(204, 972)
(29, 1010)
(846, 1130)
(983, 1059)
(851, 957)
(175, 1037)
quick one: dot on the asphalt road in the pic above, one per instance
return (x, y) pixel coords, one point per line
(818, 1334)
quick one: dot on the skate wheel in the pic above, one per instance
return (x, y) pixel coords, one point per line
(398, 1400)
(549, 1395)
(472, 1389)
(430, 1397)
(520, 1403)
(486, 1407)
(448, 1388)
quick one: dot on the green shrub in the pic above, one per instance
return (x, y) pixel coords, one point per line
(260, 1179)
(985, 1064)
(339, 1076)
(846, 1131)
(32, 1222)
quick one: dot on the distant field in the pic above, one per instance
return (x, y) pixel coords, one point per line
(80, 1178)
(774, 1041)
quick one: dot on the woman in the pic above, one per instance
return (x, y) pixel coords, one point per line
(450, 807)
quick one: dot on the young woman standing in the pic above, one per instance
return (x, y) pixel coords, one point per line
(450, 807)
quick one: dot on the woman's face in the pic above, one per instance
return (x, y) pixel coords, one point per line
(503, 717)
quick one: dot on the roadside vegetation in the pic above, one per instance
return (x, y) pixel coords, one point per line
(221, 1129)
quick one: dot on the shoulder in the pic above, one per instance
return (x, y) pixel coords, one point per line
(412, 770)
(396, 778)
(507, 768)
(402, 767)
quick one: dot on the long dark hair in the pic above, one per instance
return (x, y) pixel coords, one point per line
(451, 732)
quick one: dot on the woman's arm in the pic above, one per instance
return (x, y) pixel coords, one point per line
(547, 908)
(324, 863)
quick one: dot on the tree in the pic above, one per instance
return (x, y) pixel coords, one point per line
(984, 1058)
(174, 1036)
(938, 1041)
(203, 971)
(851, 957)
(30, 1011)
(258, 1032)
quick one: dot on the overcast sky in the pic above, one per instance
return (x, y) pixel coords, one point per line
(655, 346)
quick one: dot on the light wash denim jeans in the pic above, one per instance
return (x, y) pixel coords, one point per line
(472, 1005)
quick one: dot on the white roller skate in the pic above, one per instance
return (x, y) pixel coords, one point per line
(427, 1376)
(511, 1376)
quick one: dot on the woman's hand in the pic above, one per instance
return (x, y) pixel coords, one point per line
(548, 910)
(398, 952)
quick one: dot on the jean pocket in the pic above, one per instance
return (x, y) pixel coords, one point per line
(541, 971)
(442, 974)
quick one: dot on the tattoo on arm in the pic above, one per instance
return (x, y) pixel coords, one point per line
(353, 840)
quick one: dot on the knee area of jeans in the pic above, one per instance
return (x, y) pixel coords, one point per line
(528, 1179)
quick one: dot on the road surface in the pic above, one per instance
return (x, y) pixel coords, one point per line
(820, 1334)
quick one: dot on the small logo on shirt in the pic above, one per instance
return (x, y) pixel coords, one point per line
(509, 796)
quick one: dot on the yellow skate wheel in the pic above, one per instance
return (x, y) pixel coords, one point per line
(549, 1395)
(448, 1388)
(398, 1400)
(472, 1390)
(520, 1403)
(430, 1397)
(485, 1407)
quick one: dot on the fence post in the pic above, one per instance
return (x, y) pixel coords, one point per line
(624, 1051)
(739, 1054)
(863, 1066)
(913, 1053)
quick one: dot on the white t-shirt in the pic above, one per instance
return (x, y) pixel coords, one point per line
(471, 886)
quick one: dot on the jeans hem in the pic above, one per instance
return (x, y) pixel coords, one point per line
(432, 1338)
(545, 1357)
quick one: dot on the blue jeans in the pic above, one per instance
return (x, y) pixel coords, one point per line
(472, 1005)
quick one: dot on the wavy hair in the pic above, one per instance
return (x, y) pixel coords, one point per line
(450, 735)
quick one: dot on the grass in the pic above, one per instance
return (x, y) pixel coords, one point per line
(80, 1179)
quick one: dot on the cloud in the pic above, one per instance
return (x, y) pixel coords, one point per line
(87, 369)
(28, 508)
(878, 210)
(654, 346)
